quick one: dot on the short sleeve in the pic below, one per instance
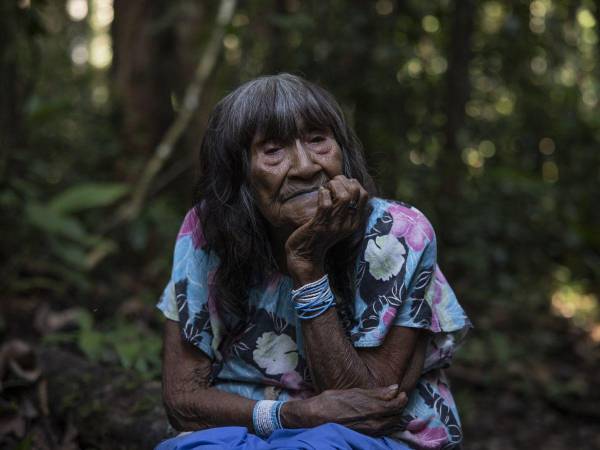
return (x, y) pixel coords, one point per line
(187, 296)
(400, 284)
(167, 303)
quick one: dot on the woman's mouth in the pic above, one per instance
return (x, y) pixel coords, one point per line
(305, 193)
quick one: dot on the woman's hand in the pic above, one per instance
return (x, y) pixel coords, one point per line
(375, 412)
(341, 208)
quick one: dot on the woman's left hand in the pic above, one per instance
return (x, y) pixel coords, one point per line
(340, 211)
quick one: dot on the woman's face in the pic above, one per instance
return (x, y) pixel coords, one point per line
(285, 178)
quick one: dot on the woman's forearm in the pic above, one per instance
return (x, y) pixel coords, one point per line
(333, 362)
(207, 408)
(201, 408)
(336, 364)
(192, 403)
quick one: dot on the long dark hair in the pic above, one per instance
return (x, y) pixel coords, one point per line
(274, 106)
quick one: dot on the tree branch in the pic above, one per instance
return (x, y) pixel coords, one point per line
(131, 209)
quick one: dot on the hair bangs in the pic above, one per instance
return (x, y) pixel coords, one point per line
(282, 109)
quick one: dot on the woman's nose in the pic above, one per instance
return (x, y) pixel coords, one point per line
(303, 164)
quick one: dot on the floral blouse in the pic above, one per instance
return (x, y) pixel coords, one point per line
(398, 284)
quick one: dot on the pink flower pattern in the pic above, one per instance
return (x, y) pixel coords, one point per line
(388, 316)
(212, 304)
(445, 392)
(437, 285)
(292, 380)
(417, 425)
(412, 225)
(273, 282)
(190, 226)
(427, 437)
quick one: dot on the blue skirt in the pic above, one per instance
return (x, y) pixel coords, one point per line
(325, 437)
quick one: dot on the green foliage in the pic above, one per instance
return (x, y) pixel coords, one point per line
(25, 444)
(67, 236)
(85, 196)
(130, 344)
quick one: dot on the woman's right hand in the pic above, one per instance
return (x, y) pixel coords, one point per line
(375, 412)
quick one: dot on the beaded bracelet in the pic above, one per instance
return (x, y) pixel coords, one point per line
(313, 299)
(266, 417)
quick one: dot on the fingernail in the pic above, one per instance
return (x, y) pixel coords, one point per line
(393, 387)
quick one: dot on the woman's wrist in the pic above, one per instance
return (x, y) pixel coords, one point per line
(313, 299)
(304, 272)
(266, 417)
(296, 414)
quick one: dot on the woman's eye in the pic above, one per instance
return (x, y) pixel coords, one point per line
(317, 139)
(272, 150)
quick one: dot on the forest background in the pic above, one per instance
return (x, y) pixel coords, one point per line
(485, 115)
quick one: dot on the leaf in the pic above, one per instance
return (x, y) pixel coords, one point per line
(128, 352)
(86, 196)
(92, 343)
(85, 320)
(72, 254)
(420, 311)
(297, 21)
(42, 110)
(135, 347)
(51, 222)
(423, 280)
(57, 338)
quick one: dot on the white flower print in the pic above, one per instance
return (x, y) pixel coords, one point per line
(385, 255)
(275, 353)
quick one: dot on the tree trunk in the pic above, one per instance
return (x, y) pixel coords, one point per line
(10, 100)
(143, 71)
(451, 168)
(457, 93)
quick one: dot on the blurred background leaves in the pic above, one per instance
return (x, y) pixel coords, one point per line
(482, 114)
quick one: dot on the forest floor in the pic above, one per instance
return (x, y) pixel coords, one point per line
(501, 419)
(497, 413)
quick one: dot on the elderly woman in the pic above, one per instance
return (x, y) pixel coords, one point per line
(303, 311)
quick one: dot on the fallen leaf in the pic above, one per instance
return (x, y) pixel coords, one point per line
(48, 321)
(19, 357)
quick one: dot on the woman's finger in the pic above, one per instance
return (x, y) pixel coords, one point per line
(324, 203)
(351, 186)
(351, 211)
(339, 194)
(386, 393)
(399, 399)
(363, 199)
(354, 188)
(358, 203)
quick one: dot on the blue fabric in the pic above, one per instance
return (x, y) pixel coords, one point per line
(325, 437)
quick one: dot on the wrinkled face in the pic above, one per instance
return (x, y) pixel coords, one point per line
(285, 178)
